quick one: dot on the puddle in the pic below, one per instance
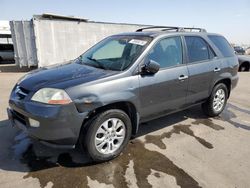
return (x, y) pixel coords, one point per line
(62, 170)
(22, 142)
(209, 123)
(4, 123)
(66, 173)
(177, 129)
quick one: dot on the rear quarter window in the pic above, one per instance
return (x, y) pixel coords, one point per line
(222, 44)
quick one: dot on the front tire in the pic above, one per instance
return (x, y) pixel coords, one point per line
(107, 135)
(216, 103)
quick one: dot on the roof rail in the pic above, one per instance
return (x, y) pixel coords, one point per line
(169, 28)
(194, 28)
(158, 27)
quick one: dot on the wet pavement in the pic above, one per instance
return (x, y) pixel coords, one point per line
(185, 149)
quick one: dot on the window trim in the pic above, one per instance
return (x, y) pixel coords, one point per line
(208, 46)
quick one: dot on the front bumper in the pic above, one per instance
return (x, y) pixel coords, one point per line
(59, 124)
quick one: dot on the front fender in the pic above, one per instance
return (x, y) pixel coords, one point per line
(92, 96)
(90, 103)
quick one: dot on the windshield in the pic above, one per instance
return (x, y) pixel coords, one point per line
(115, 53)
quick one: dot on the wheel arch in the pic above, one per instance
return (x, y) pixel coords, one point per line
(227, 82)
(128, 107)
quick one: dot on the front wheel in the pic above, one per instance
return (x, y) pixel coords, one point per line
(216, 103)
(107, 135)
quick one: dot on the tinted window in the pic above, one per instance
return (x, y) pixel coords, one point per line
(167, 52)
(222, 44)
(198, 49)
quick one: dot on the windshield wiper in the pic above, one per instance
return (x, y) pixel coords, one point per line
(100, 65)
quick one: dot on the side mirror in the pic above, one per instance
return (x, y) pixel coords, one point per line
(151, 67)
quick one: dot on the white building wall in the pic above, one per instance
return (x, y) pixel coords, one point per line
(57, 41)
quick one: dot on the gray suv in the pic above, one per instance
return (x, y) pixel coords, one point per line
(98, 100)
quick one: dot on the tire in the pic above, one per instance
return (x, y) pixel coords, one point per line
(102, 129)
(242, 68)
(209, 107)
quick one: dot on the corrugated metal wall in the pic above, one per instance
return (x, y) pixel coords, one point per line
(46, 42)
(24, 43)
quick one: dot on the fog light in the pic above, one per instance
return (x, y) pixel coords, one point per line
(34, 123)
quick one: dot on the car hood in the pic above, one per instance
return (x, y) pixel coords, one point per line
(62, 76)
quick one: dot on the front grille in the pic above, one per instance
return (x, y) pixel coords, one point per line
(21, 92)
(20, 117)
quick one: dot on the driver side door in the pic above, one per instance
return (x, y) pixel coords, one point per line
(164, 91)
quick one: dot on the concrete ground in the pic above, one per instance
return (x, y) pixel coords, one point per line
(185, 149)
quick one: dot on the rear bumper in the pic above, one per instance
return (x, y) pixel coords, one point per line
(59, 125)
(234, 81)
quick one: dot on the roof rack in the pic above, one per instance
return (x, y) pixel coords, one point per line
(194, 28)
(169, 28)
(158, 27)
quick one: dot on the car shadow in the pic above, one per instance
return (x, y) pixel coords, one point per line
(168, 120)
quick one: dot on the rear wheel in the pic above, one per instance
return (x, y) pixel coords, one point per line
(107, 135)
(216, 103)
(244, 67)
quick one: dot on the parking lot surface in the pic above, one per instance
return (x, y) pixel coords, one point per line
(185, 149)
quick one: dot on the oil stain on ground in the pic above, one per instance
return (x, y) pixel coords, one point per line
(66, 173)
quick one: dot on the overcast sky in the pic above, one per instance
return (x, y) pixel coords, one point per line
(230, 18)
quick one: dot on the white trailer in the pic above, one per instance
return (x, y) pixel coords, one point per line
(51, 39)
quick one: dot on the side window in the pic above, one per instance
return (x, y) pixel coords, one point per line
(222, 44)
(198, 49)
(167, 52)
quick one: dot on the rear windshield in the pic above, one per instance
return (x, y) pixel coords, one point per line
(222, 44)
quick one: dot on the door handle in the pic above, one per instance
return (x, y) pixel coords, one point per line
(183, 77)
(216, 69)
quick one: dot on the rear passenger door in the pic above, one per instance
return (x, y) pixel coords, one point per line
(164, 91)
(201, 65)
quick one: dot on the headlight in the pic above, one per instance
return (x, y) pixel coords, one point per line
(51, 96)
